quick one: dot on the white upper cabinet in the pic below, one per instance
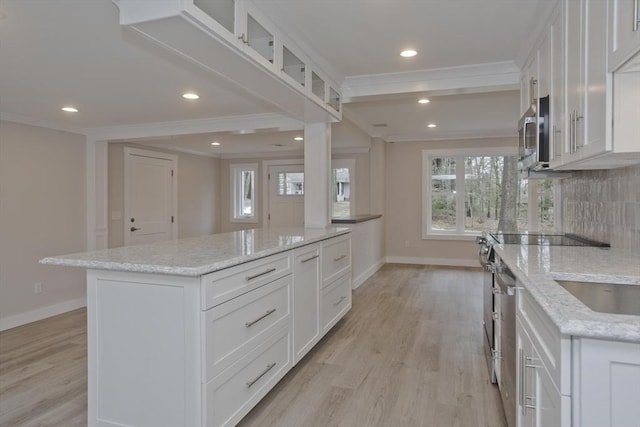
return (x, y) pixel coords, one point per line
(558, 136)
(593, 112)
(624, 31)
(234, 40)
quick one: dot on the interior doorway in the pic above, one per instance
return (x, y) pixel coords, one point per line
(150, 196)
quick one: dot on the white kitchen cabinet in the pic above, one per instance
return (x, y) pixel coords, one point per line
(586, 79)
(624, 31)
(306, 300)
(607, 381)
(543, 367)
(558, 135)
(195, 351)
(234, 39)
(539, 401)
(529, 93)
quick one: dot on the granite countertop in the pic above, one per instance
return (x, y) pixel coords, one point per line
(355, 219)
(537, 266)
(198, 255)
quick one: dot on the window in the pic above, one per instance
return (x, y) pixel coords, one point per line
(465, 194)
(290, 183)
(243, 194)
(343, 188)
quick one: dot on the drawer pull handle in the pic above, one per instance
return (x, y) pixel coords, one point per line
(255, 380)
(255, 276)
(339, 300)
(309, 259)
(253, 322)
(339, 258)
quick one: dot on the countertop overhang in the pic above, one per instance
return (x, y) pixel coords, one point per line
(200, 255)
(537, 268)
(355, 219)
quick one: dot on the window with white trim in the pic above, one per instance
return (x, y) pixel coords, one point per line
(343, 184)
(464, 194)
(243, 193)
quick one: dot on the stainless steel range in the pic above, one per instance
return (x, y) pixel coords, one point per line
(499, 310)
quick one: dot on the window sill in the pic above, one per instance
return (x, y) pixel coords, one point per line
(452, 236)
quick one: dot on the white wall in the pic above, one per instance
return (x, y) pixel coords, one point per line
(403, 224)
(42, 213)
(198, 197)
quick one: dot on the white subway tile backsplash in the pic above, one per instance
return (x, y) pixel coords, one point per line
(604, 205)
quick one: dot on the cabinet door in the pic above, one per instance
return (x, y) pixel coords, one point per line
(608, 383)
(525, 415)
(574, 73)
(595, 72)
(557, 104)
(624, 31)
(547, 401)
(306, 300)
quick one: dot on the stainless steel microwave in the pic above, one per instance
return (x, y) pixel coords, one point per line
(533, 137)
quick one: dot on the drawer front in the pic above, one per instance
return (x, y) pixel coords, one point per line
(336, 302)
(232, 329)
(336, 258)
(231, 396)
(547, 339)
(221, 286)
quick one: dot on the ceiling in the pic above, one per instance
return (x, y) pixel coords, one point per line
(56, 53)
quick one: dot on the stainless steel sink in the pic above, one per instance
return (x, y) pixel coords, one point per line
(606, 297)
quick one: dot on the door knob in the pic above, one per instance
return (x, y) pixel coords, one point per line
(134, 229)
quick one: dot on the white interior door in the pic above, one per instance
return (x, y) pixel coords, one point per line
(286, 196)
(150, 196)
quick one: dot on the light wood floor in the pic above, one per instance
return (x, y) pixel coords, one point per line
(408, 354)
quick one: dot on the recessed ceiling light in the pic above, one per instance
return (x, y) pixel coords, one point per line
(69, 109)
(431, 125)
(423, 101)
(215, 143)
(298, 138)
(190, 95)
(408, 53)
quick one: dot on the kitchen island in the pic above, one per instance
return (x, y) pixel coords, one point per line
(194, 332)
(575, 366)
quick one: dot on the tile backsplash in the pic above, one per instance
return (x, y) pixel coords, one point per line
(604, 205)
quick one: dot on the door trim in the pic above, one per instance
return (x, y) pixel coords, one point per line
(266, 164)
(128, 152)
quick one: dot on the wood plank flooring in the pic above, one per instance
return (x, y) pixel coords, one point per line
(408, 354)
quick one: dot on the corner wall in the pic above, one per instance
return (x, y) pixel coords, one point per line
(42, 213)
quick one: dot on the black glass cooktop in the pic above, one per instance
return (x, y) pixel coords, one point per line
(545, 239)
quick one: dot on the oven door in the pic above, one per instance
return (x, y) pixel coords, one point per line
(485, 256)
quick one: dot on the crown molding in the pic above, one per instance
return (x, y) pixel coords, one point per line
(17, 118)
(462, 79)
(185, 127)
(490, 134)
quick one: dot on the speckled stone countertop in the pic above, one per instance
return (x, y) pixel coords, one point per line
(537, 267)
(198, 255)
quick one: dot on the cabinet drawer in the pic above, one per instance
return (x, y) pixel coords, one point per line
(554, 350)
(232, 329)
(231, 395)
(336, 302)
(336, 258)
(221, 286)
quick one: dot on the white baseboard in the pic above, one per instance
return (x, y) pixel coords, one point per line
(41, 313)
(357, 281)
(449, 262)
